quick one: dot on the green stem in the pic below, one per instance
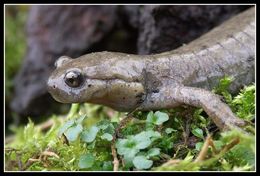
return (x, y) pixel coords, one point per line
(73, 110)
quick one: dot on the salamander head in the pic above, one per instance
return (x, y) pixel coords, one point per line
(86, 80)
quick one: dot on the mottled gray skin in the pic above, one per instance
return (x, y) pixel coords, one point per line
(128, 82)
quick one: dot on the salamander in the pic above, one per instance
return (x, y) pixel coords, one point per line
(186, 75)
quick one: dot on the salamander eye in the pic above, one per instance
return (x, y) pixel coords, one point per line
(73, 78)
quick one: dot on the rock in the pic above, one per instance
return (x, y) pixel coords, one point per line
(163, 28)
(54, 31)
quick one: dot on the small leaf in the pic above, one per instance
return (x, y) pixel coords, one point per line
(198, 112)
(153, 134)
(127, 147)
(86, 161)
(67, 125)
(202, 119)
(169, 130)
(121, 145)
(199, 145)
(142, 140)
(157, 118)
(161, 117)
(151, 118)
(153, 152)
(198, 132)
(110, 129)
(128, 161)
(140, 162)
(189, 157)
(89, 135)
(103, 124)
(149, 126)
(73, 132)
(107, 136)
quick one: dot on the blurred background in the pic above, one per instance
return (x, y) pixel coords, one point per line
(35, 36)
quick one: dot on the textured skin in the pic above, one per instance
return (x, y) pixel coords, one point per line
(128, 82)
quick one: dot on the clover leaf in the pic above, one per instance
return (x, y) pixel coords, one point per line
(142, 140)
(89, 135)
(153, 152)
(141, 162)
(67, 125)
(127, 147)
(73, 132)
(157, 118)
(107, 136)
(86, 161)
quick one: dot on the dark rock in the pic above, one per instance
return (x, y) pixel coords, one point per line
(54, 31)
(163, 28)
(132, 12)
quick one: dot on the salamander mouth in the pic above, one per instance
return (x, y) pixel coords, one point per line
(57, 94)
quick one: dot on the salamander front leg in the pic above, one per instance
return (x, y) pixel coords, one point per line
(218, 111)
